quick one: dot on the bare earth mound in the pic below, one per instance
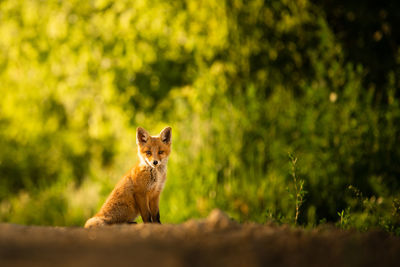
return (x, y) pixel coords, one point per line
(215, 241)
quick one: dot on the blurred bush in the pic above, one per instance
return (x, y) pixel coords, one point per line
(242, 83)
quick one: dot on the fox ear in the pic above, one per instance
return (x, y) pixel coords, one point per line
(141, 136)
(165, 135)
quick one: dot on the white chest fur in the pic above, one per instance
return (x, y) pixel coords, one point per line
(157, 178)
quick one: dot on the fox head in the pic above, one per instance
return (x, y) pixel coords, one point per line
(153, 151)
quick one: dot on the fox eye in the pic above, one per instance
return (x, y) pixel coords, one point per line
(160, 152)
(148, 153)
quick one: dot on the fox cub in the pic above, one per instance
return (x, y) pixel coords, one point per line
(139, 190)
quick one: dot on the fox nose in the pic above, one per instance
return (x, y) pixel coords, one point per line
(155, 162)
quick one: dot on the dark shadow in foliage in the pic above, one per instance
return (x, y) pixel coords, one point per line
(370, 35)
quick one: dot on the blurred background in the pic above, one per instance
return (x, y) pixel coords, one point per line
(243, 84)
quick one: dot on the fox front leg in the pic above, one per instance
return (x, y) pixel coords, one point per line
(157, 219)
(144, 209)
(154, 208)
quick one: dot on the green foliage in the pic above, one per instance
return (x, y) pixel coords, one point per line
(345, 219)
(371, 212)
(298, 192)
(240, 82)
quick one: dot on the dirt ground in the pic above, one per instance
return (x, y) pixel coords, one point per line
(215, 241)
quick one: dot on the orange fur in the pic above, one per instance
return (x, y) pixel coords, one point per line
(138, 191)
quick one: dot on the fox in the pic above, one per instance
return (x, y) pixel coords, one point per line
(138, 192)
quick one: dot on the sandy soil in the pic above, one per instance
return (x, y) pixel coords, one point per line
(215, 241)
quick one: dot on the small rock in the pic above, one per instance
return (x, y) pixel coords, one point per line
(218, 219)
